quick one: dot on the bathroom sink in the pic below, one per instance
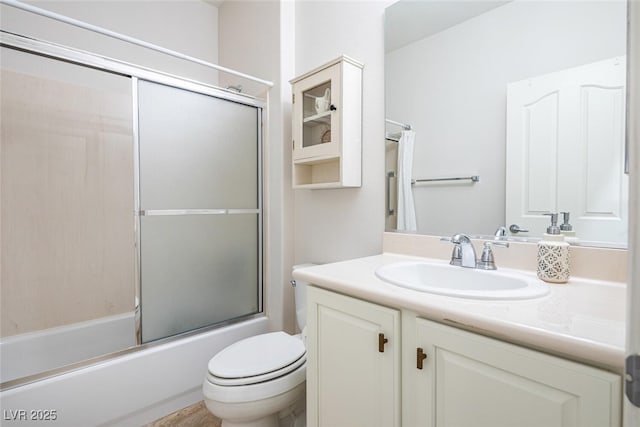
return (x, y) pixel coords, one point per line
(445, 279)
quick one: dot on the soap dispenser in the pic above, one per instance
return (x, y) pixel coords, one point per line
(567, 229)
(553, 254)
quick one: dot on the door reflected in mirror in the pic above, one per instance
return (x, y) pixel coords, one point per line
(451, 69)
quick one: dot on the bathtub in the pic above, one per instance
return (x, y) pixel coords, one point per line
(129, 390)
(35, 352)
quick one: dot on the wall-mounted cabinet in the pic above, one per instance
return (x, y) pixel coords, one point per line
(327, 126)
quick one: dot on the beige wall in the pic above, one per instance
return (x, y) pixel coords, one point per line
(67, 199)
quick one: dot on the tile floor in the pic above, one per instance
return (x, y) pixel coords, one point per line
(195, 415)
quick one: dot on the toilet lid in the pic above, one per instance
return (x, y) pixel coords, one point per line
(257, 355)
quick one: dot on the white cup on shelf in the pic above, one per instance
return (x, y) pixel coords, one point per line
(322, 102)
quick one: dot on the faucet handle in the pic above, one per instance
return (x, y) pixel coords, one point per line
(456, 254)
(456, 239)
(486, 261)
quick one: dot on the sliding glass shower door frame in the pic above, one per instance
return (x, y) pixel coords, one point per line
(140, 212)
(137, 73)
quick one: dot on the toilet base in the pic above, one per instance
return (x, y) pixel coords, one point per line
(261, 413)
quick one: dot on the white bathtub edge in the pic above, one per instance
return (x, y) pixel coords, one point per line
(129, 390)
(40, 351)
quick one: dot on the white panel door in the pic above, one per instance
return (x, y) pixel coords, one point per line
(565, 151)
(350, 381)
(471, 380)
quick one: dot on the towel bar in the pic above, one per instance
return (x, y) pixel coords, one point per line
(473, 178)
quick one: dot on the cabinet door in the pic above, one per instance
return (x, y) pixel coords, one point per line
(350, 382)
(316, 115)
(471, 380)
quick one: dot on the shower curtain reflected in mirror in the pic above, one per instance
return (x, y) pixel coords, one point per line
(406, 208)
(400, 213)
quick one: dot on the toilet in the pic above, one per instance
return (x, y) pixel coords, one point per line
(260, 381)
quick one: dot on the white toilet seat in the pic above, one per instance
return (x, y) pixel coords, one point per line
(254, 392)
(256, 368)
(257, 378)
(257, 359)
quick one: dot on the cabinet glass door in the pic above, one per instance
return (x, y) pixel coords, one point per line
(316, 121)
(316, 131)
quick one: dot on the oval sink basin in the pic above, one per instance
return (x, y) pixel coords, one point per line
(445, 279)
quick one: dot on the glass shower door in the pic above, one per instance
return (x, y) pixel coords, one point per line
(66, 214)
(200, 213)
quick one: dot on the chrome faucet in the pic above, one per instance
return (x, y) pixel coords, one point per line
(501, 232)
(464, 254)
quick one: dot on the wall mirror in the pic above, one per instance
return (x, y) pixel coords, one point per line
(519, 105)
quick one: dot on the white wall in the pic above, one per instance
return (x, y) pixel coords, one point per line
(188, 26)
(452, 88)
(256, 37)
(332, 225)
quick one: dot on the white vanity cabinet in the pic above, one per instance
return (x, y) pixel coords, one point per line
(465, 379)
(353, 362)
(472, 380)
(327, 126)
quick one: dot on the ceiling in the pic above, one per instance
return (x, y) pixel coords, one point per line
(409, 20)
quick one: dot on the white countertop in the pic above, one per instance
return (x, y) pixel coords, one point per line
(583, 319)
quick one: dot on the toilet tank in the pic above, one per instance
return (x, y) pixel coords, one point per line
(300, 296)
